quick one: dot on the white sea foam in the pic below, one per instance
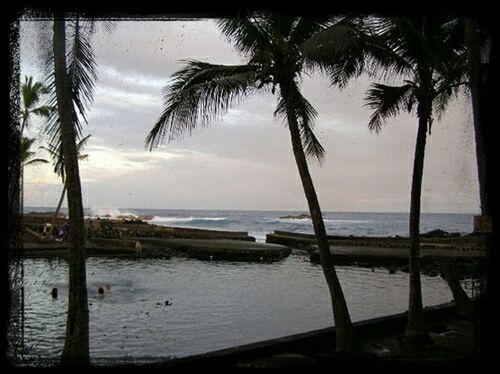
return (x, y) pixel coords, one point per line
(294, 220)
(109, 212)
(346, 220)
(160, 219)
(326, 220)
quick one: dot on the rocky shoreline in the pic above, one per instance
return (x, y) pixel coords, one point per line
(135, 238)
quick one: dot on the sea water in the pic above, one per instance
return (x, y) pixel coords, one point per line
(260, 223)
(216, 304)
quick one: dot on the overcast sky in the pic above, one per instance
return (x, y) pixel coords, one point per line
(244, 161)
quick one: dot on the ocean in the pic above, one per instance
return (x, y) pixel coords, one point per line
(214, 304)
(260, 223)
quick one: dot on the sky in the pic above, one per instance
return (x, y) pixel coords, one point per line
(245, 160)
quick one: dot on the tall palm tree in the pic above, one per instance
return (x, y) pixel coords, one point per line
(278, 50)
(71, 83)
(58, 161)
(423, 51)
(76, 344)
(477, 70)
(480, 41)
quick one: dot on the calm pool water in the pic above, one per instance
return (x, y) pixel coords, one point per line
(214, 305)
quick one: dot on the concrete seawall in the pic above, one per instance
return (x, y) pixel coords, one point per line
(306, 343)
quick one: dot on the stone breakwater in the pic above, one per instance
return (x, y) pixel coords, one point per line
(127, 227)
(434, 240)
(466, 254)
(135, 238)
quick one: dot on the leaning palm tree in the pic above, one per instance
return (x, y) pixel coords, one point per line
(279, 50)
(423, 51)
(58, 161)
(71, 82)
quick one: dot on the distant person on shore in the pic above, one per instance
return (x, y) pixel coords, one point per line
(138, 248)
(46, 230)
(63, 232)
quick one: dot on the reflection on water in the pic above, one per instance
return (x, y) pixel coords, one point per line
(213, 305)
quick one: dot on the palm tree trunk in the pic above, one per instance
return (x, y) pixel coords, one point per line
(477, 91)
(462, 300)
(345, 337)
(76, 344)
(416, 331)
(56, 213)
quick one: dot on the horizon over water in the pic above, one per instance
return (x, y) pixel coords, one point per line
(258, 223)
(64, 209)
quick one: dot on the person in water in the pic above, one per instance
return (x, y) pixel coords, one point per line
(106, 288)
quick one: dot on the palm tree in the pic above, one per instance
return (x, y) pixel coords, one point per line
(480, 41)
(31, 94)
(58, 160)
(76, 344)
(476, 35)
(278, 50)
(423, 50)
(71, 83)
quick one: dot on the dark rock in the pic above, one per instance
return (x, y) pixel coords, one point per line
(300, 216)
(436, 234)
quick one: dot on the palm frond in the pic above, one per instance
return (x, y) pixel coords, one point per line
(26, 154)
(305, 114)
(244, 33)
(36, 161)
(56, 154)
(335, 51)
(43, 111)
(199, 93)
(305, 27)
(82, 74)
(447, 87)
(350, 47)
(82, 67)
(94, 25)
(24, 149)
(31, 95)
(388, 101)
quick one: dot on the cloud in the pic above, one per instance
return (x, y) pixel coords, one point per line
(105, 162)
(245, 160)
(133, 78)
(109, 96)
